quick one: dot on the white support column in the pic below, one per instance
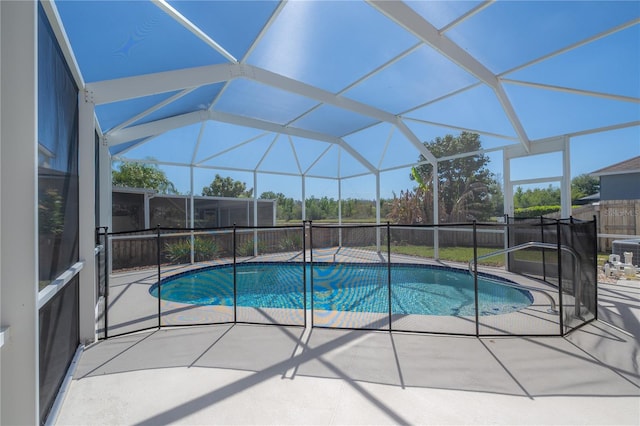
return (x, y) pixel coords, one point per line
(147, 220)
(508, 199)
(255, 213)
(255, 198)
(339, 212)
(192, 199)
(340, 202)
(304, 199)
(378, 210)
(2, 329)
(191, 214)
(87, 222)
(105, 185)
(19, 368)
(508, 186)
(436, 210)
(565, 185)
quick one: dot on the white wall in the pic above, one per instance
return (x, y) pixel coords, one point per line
(18, 197)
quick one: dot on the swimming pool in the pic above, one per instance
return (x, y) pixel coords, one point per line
(351, 287)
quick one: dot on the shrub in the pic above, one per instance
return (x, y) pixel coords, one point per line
(246, 248)
(290, 243)
(535, 211)
(180, 251)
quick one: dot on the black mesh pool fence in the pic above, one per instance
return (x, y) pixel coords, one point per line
(523, 277)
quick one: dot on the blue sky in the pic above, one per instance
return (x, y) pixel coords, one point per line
(592, 85)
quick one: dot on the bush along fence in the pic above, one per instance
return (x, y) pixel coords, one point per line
(139, 273)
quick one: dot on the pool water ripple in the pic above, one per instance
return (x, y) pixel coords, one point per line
(415, 289)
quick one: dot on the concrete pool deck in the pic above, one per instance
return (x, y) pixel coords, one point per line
(250, 374)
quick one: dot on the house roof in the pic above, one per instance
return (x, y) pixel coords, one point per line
(631, 165)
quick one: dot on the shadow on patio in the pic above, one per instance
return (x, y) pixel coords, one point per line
(266, 374)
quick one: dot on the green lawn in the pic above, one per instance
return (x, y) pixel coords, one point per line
(452, 254)
(464, 254)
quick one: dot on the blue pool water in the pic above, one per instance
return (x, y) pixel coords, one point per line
(415, 289)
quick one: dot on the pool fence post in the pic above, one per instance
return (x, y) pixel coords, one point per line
(595, 253)
(235, 283)
(507, 242)
(475, 277)
(106, 282)
(304, 274)
(159, 274)
(544, 259)
(559, 250)
(389, 274)
(311, 266)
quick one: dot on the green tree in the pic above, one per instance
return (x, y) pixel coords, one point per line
(227, 187)
(287, 208)
(467, 188)
(584, 185)
(549, 196)
(142, 175)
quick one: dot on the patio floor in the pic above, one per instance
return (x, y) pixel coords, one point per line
(248, 374)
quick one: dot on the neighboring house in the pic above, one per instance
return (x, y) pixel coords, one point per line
(589, 199)
(620, 181)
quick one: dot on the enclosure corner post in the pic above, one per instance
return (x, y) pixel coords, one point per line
(595, 253)
(311, 267)
(159, 275)
(389, 274)
(559, 250)
(475, 277)
(235, 282)
(507, 241)
(106, 282)
(304, 273)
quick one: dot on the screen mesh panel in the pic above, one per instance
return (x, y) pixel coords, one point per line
(134, 269)
(350, 277)
(270, 275)
(59, 339)
(196, 285)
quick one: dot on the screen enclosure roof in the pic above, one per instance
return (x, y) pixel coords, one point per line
(345, 88)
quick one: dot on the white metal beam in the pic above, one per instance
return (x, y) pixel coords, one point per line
(605, 128)
(465, 129)
(572, 46)
(268, 150)
(292, 131)
(295, 154)
(182, 20)
(269, 126)
(415, 141)
(312, 165)
(231, 148)
(51, 10)
(155, 128)
(479, 8)
(290, 85)
(151, 110)
(406, 17)
(573, 91)
(121, 89)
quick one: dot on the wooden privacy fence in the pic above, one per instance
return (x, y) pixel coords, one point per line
(141, 251)
(614, 217)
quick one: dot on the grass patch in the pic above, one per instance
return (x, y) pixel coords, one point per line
(451, 254)
(464, 254)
